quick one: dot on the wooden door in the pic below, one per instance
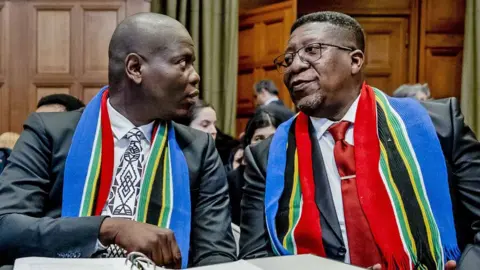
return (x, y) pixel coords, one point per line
(263, 35)
(386, 52)
(56, 46)
(441, 46)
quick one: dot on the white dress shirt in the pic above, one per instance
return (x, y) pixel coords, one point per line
(120, 127)
(270, 100)
(327, 143)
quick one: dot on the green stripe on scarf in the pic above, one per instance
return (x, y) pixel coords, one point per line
(93, 175)
(426, 251)
(156, 151)
(296, 204)
(165, 213)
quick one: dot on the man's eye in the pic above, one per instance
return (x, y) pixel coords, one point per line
(288, 59)
(312, 49)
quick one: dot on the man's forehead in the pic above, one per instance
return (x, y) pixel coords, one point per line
(312, 32)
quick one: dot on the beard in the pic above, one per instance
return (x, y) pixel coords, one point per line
(310, 104)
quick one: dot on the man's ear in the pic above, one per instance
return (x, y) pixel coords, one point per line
(133, 64)
(357, 57)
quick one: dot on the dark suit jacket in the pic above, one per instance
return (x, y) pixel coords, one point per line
(278, 109)
(235, 185)
(31, 196)
(462, 156)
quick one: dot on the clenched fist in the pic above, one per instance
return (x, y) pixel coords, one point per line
(156, 243)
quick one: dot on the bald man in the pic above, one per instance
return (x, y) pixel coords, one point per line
(120, 176)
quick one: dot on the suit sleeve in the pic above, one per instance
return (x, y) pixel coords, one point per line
(211, 237)
(254, 239)
(24, 193)
(466, 168)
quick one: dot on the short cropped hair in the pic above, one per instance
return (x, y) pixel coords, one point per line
(338, 19)
(70, 103)
(268, 85)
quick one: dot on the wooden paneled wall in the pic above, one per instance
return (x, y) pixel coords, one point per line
(263, 36)
(54, 46)
(408, 41)
(441, 46)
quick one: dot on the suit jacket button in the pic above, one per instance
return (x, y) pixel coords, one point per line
(342, 251)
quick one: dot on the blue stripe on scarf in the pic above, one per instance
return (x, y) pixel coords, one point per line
(427, 148)
(78, 159)
(275, 182)
(180, 220)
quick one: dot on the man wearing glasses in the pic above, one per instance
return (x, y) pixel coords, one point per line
(358, 176)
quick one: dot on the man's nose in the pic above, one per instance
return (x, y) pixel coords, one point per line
(297, 65)
(194, 77)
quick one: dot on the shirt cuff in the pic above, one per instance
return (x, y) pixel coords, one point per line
(99, 246)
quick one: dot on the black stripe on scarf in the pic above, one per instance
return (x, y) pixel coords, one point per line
(405, 188)
(95, 194)
(156, 197)
(281, 219)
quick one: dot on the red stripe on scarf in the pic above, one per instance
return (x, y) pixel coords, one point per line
(106, 170)
(308, 233)
(374, 198)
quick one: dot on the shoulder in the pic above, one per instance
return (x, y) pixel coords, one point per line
(442, 106)
(258, 153)
(54, 122)
(442, 112)
(188, 137)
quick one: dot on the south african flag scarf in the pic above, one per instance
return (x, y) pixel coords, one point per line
(164, 198)
(401, 177)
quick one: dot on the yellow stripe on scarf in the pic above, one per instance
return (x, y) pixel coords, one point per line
(154, 169)
(292, 199)
(402, 207)
(411, 177)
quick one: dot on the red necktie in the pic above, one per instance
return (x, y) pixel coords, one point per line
(362, 247)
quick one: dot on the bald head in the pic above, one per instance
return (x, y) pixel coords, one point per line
(145, 34)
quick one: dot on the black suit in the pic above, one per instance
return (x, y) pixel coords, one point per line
(31, 196)
(462, 156)
(278, 109)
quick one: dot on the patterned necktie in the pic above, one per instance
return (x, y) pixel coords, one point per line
(362, 248)
(123, 196)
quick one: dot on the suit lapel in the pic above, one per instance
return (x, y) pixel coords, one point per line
(323, 194)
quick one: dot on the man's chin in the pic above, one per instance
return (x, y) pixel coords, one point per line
(309, 105)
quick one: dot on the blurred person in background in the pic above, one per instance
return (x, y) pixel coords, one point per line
(418, 91)
(202, 116)
(266, 96)
(7, 142)
(261, 126)
(59, 103)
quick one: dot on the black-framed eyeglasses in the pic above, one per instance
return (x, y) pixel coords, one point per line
(308, 54)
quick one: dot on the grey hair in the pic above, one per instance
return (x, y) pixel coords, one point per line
(411, 90)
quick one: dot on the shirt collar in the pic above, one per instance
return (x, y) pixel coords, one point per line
(270, 100)
(121, 125)
(321, 125)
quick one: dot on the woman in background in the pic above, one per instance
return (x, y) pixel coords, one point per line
(261, 126)
(203, 117)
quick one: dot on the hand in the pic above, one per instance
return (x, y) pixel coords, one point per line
(451, 265)
(156, 243)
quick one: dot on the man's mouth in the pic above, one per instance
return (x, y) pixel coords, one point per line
(193, 94)
(300, 85)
